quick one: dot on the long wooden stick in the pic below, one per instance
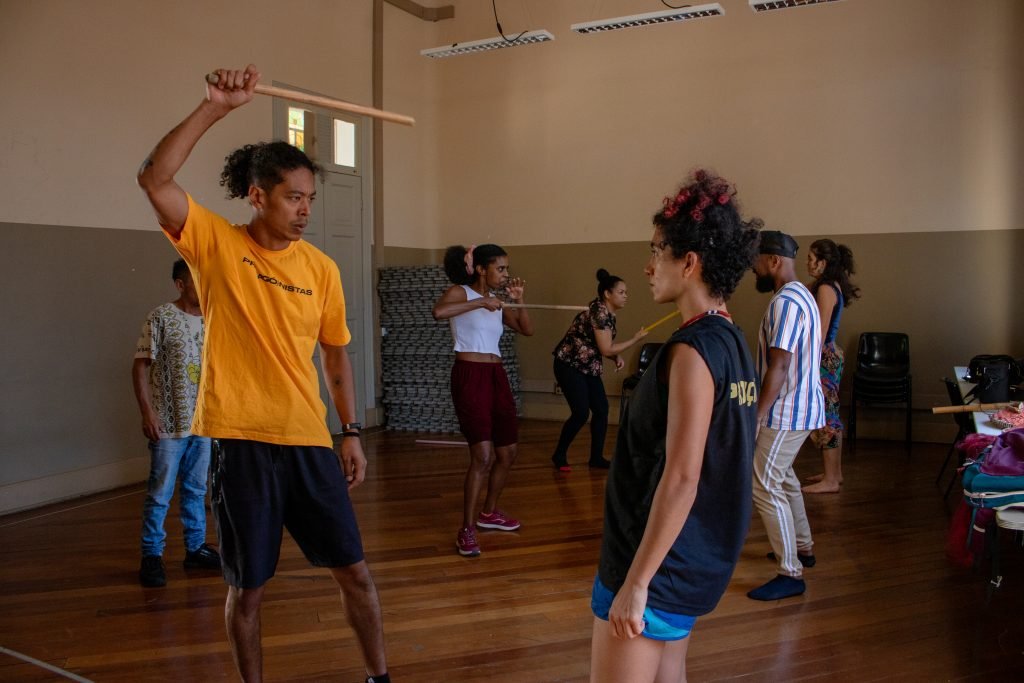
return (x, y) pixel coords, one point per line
(972, 408)
(441, 442)
(328, 102)
(655, 324)
(552, 307)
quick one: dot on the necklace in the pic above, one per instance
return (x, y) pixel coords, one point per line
(724, 314)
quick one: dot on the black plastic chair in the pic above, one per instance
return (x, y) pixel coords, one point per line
(647, 353)
(882, 374)
(965, 426)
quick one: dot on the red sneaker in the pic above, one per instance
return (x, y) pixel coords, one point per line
(466, 543)
(497, 520)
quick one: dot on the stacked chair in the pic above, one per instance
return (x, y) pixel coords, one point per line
(882, 375)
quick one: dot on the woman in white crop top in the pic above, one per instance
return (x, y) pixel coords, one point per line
(480, 390)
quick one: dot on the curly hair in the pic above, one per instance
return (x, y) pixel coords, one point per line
(455, 261)
(262, 165)
(606, 282)
(702, 217)
(839, 267)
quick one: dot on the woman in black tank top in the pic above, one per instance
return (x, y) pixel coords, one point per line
(678, 498)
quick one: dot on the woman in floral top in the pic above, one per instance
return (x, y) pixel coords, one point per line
(831, 266)
(578, 366)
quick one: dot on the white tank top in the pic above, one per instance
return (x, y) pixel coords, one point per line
(479, 330)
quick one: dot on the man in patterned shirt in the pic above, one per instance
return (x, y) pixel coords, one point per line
(165, 375)
(789, 406)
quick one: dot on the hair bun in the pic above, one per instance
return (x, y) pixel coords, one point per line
(602, 274)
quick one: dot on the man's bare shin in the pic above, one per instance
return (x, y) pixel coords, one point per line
(242, 617)
(362, 609)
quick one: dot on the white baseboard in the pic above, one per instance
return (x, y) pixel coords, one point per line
(24, 495)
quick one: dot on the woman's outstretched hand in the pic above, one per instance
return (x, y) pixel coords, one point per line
(515, 286)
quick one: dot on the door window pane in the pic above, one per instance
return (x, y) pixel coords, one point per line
(296, 127)
(344, 143)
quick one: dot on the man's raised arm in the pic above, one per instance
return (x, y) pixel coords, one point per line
(156, 176)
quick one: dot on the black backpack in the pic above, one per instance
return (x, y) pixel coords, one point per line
(993, 374)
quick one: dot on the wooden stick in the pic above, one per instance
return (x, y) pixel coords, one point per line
(552, 307)
(973, 408)
(655, 324)
(328, 102)
(438, 442)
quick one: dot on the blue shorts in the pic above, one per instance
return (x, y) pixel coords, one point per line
(658, 624)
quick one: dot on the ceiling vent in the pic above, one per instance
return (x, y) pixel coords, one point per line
(768, 5)
(496, 43)
(712, 9)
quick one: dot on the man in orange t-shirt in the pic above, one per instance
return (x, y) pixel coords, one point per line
(269, 299)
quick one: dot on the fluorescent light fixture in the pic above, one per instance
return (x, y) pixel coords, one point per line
(767, 5)
(712, 9)
(527, 38)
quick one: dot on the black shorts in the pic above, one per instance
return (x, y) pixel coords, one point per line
(260, 488)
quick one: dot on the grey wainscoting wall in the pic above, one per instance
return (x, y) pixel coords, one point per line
(74, 304)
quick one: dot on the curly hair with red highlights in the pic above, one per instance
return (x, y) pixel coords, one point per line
(703, 217)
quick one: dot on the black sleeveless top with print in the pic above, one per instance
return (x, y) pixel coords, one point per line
(696, 571)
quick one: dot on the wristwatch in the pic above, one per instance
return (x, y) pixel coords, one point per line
(351, 426)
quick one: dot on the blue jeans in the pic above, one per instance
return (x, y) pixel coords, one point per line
(189, 456)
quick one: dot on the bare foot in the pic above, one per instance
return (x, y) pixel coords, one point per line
(822, 487)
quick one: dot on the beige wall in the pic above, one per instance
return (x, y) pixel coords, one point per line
(411, 185)
(866, 116)
(857, 117)
(893, 126)
(90, 87)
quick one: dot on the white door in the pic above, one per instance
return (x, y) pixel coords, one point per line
(339, 226)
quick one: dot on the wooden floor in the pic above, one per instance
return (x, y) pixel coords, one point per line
(882, 602)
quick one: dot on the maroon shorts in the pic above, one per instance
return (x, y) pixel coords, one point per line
(484, 403)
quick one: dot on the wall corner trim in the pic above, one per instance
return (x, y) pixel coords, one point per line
(424, 13)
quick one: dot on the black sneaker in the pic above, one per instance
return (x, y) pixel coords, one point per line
(151, 572)
(203, 557)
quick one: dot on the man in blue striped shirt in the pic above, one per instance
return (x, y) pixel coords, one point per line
(790, 406)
